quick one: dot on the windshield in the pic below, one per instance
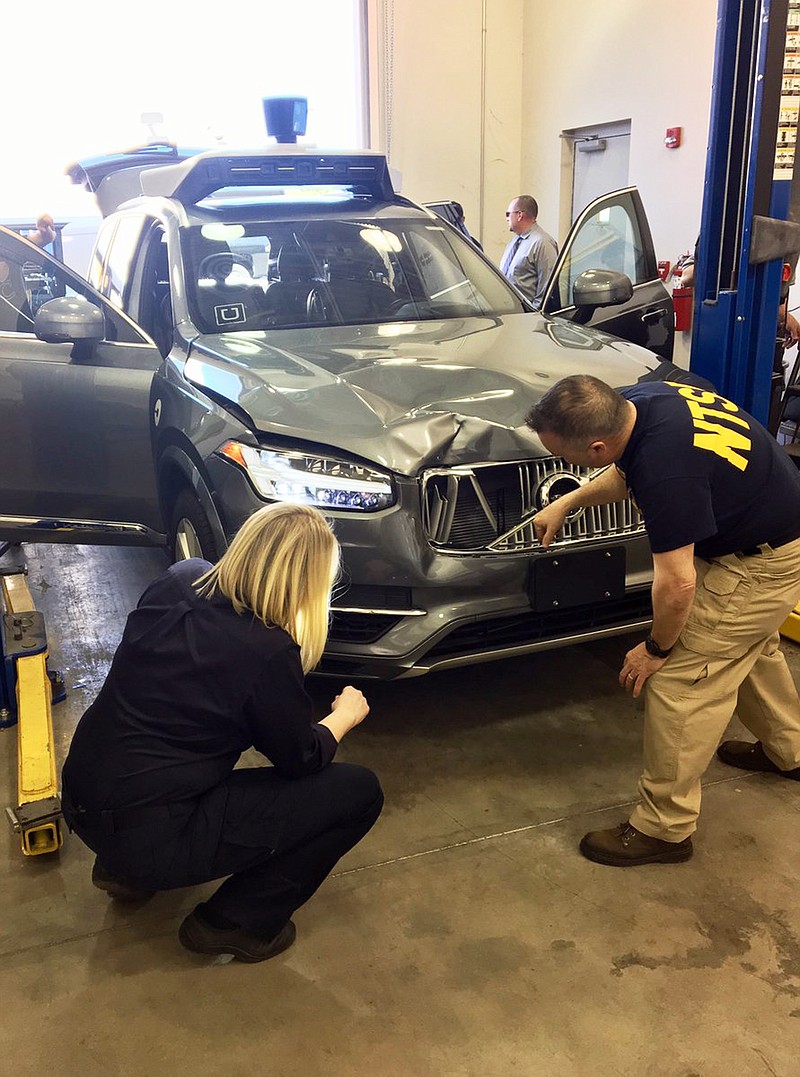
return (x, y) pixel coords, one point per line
(282, 274)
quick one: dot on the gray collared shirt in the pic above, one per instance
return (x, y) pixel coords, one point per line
(529, 262)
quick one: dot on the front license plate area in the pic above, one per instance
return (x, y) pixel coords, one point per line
(577, 579)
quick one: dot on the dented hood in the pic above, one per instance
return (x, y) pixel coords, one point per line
(408, 395)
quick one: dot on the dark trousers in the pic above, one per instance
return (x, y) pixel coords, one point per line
(276, 839)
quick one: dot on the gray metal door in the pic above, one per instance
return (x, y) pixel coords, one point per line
(601, 157)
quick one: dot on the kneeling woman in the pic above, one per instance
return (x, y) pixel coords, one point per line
(212, 663)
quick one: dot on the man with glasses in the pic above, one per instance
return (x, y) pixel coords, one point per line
(530, 256)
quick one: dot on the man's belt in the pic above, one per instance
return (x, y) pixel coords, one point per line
(784, 540)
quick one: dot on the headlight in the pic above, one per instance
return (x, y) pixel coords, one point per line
(313, 480)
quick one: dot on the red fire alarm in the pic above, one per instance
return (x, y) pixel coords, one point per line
(673, 138)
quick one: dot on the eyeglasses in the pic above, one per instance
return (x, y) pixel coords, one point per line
(509, 212)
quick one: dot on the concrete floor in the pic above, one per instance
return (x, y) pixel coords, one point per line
(465, 936)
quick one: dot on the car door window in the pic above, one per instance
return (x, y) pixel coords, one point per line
(607, 236)
(29, 278)
(120, 258)
(97, 262)
(153, 311)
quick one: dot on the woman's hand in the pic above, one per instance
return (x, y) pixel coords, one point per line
(348, 710)
(351, 701)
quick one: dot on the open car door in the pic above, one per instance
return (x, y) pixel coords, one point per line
(613, 233)
(75, 409)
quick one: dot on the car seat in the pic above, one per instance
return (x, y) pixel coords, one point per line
(354, 293)
(287, 297)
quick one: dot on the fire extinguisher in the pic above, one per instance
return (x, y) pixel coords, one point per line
(682, 297)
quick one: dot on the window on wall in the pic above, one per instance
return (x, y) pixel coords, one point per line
(203, 71)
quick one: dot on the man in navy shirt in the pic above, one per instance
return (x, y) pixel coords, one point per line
(721, 507)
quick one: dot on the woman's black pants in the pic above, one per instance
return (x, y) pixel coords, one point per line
(276, 839)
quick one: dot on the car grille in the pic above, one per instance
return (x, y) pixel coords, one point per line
(359, 627)
(488, 508)
(369, 623)
(529, 627)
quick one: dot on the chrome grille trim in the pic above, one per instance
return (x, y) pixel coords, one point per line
(445, 492)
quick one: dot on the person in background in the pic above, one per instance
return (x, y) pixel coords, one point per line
(461, 225)
(211, 663)
(45, 231)
(721, 506)
(15, 308)
(530, 256)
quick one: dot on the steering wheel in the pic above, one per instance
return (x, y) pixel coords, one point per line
(218, 266)
(318, 304)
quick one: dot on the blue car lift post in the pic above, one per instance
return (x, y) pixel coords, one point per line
(745, 235)
(751, 206)
(27, 691)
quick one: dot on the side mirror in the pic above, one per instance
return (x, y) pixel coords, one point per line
(601, 288)
(72, 319)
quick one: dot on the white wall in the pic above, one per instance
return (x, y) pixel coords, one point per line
(447, 101)
(650, 62)
(548, 67)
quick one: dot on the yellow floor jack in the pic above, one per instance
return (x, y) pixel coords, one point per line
(27, 692)
(791, 626)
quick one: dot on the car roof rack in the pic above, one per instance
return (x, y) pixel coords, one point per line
(192, 180)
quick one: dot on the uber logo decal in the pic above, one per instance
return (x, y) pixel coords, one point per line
(230, 313)
(157, 412)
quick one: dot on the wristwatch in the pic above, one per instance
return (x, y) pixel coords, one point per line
(653, 648)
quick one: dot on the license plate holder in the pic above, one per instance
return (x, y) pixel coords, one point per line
(580, 578)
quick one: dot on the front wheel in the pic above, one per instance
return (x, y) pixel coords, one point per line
(190, 533)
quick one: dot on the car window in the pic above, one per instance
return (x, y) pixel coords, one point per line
(119, 259)
(97, 263)
(155, 299)
(441, 273)
(608, 238)
(281, 274)
(29, 278)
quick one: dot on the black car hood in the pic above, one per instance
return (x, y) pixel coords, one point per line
(410, 395)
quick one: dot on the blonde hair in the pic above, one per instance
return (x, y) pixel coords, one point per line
(281, 566)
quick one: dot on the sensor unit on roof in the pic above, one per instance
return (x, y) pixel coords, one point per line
(285, 117)
(192, 181)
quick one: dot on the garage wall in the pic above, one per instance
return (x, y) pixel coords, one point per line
(470, 98)
(650, 63)
(446, 101)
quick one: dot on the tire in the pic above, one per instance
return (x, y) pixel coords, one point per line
(190, 533)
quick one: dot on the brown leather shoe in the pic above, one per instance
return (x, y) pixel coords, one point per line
(751, 756)
(624, 846)
(116, 888)
(197, 935)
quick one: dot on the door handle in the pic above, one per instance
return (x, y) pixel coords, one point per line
(653, 315)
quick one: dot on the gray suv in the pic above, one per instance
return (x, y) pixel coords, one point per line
(286, 327)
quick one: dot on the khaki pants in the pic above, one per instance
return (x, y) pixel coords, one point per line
(727, 660)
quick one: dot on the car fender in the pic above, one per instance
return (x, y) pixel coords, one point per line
(176, 459)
